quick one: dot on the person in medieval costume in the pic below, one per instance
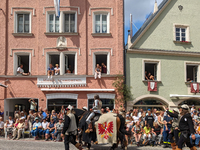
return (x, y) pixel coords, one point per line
(186, 127)
(96, 108)
(70, 129)
(175, 124)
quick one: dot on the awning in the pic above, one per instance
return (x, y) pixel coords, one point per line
(80, 90)
(184, 96)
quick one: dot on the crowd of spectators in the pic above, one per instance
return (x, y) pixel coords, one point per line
(153, 127)
(41, 124)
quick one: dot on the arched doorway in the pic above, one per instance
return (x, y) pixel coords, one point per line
(149, 103)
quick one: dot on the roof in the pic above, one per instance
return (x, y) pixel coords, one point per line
(148, 20)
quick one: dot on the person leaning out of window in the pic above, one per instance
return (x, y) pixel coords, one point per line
(20, 71)
(97, 72)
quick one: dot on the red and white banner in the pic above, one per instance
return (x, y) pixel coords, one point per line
(152, 86)
(194, 87)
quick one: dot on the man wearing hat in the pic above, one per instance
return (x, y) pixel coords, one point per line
(186, 128)
(70, 129)
(37, 127)
(175, 131)
(96, 108)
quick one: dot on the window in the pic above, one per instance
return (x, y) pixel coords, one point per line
(69, 22)
(191, 73)
(23, 23)
(105, 103)
(102, 61)
(181, 34)
(151, 70)
(54, 23)
(101, 23)
(54, 59)
(56, 104)
(69, 63)
(24, 60)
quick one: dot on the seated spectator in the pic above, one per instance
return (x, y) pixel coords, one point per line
(22, 115)
(8, 127)
(40, 116)
(97, 72)
(135, 117)
(50, 129)
(195, 117)
(58, 130)
(20, 70)
(57, 70)
(197, 135)
(18, 129)
(150, 76)
(156, 132)
(50, 70)
(44, 128)
(37, 127)
(54, 116)
(26, 125)
(146, 76)
(146, 134)
(11, 121)
(1, 126)
(104, 68)
(137, 132)
(30, 119)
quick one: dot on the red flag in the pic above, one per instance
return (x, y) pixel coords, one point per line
(194, 87)
(152, 86)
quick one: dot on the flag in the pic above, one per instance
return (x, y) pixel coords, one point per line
(57, 7)
(194, 87)
(152, 86)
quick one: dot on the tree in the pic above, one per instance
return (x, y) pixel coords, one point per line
(122, 89)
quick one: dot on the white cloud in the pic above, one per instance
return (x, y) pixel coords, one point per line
(139, 9)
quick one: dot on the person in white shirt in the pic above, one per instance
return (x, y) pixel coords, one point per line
(20, 70)
(135, 117)
(33, 105)
(1, 126)
(57, 70)
(44, 128)
(10, 121)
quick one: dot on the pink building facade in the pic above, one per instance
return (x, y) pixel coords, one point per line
(88, 32)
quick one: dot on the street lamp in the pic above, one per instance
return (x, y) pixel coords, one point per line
(5, 86)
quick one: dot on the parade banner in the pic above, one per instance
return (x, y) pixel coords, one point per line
(152, 86)
(194, 87)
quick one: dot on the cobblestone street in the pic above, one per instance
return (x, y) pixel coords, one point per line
(29, 144)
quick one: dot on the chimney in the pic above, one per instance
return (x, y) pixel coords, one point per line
(155, 7)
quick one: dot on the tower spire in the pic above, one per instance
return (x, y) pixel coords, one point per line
(155, 7)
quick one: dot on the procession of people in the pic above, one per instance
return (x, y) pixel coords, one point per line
(175, 128)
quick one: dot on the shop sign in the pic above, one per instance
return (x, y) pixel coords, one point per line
(61, 82)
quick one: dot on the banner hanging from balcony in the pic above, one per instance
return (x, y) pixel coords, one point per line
(194, 87)
(152, 86)
(57, 7)
(61, 82)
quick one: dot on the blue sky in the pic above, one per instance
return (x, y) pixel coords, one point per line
(139, 9)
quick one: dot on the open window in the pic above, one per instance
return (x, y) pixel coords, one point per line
(24, 60)
(69, 63)
(102, 61)
(150, 71)
(54, 59)
(191, 73)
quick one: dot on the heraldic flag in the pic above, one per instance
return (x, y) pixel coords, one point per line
(57, 7)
